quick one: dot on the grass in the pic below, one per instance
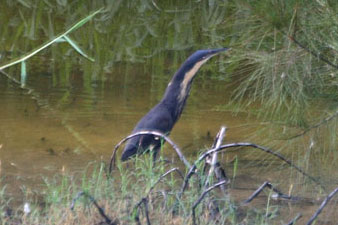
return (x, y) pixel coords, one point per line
(119, 194)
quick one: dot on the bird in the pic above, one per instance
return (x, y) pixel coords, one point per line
(163, 116)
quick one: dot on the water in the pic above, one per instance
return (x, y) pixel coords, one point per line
(83, 109)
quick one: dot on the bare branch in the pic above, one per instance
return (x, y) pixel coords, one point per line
(167, 139)
(276, 154)
(324, 203)
(214, 164)
(240, 144)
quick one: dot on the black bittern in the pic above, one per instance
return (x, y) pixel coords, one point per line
(164, 115)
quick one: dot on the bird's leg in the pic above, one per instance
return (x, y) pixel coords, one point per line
(154, 152)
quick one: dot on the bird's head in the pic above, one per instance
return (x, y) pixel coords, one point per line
(201, 56)
(190, 67)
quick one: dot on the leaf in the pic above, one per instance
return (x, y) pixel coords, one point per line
(57, 39)
(77, 48)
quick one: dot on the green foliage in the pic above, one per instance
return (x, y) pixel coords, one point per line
(118, 195)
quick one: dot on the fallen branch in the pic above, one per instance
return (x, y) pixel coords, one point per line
(324, 203)
(199, 200)
(269, 185)
(100, 209)
(178, 151)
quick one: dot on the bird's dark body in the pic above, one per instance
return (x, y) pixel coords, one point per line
(164, 115)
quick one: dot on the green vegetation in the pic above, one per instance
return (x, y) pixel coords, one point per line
(119, 194)
(282, 69)
(265, 67)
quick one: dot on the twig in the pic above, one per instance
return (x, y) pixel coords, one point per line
(244, 144)
(144, 200)
(294, 220)
(178, 151)
(312, 52)
(269, 185)
(214, 164)
(324, 203)
(198, 201)
(101, 210)
(324, 121)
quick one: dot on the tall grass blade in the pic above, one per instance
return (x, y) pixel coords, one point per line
(77, 48)
(61, 39)
(35, 51)
(23, 74)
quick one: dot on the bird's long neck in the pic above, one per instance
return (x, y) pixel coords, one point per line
(178, 89)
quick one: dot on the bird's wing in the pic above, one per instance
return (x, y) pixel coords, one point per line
(159, 119)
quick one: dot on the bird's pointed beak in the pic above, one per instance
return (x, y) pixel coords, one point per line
(218, 50)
